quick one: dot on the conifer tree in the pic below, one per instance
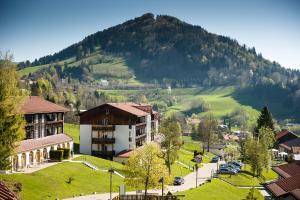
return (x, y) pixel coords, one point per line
(11, 120)
(265, 120)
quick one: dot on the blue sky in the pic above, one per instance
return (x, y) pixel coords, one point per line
(34, 28)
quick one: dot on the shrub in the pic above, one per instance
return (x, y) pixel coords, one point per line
(66, 154)
(56, 155)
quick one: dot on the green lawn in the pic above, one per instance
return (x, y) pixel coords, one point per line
(218, 190)
(73, 131)
(241, 179)
(268, 175)
(245, 177)
(219, 101)
(51, 183)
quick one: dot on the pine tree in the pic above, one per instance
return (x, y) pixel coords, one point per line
(11, 120)
(265, 120)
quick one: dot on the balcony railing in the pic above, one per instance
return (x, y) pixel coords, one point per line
(103, 127)
(103, 153)
(140, 136)
(103, 140)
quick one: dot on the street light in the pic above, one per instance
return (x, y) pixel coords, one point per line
(161, 180)
(111, 171)
(196, 167)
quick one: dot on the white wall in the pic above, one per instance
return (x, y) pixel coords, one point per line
(148, 128)
(85, 139)
(122, 138)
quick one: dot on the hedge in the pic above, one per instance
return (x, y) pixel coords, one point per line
(66, 154)
(56, 155)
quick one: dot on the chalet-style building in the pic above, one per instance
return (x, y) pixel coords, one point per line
(44, 131)
(111, 128)
(284, 136)
(287, 187)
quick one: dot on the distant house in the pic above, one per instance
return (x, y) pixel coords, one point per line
(284, 136)
(111, 128)
(217, 149)
(292, 147)
(287, 187)
(230, 137)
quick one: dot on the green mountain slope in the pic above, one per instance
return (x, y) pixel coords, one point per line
(162, 49)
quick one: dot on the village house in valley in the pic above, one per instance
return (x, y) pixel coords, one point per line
(112, 128)
(44, 132)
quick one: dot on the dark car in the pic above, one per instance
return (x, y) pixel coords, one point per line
(178, 180)
(238, 164)
(224, 170)
(215, 159)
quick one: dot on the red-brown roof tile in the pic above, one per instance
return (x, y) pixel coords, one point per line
(128, 108)
(35, 104)
(296, 193)
(288, 170)
(285, 186)
(32, 144)
(283, 133)
(5, 193)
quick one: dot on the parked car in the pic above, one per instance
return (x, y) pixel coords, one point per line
(215, 159)
(230, 167)
(224, 170)
(236, 163)
(178, 180)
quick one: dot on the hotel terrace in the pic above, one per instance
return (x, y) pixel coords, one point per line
(44, 132)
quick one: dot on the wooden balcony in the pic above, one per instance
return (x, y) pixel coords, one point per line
(103, 153)
(142, 136)
(103, 127)
(103, 140)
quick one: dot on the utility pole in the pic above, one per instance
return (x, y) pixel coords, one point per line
(196, 167)
(111, 171)
(161, 180)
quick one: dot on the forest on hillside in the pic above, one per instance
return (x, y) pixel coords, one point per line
(164, 50)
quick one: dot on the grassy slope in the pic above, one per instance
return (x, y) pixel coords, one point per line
(218, 190)
(103, 66)
(51, 182)
(219, 100)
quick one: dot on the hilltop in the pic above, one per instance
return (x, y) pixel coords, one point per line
(165, 50)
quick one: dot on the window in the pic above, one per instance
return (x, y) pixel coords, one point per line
(129, 126)
(105, 121)
(107, 111)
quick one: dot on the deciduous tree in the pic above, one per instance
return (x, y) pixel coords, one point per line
(172, 142)
(145, 167)
(207, 130)
(11, 120)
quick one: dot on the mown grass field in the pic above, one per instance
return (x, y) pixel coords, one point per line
(52, 182)
(218, 190)
(219, 101)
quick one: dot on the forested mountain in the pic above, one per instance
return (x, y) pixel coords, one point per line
(163, 49)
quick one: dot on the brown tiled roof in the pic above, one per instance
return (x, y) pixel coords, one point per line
(35, 104)
(285, 186)
(288, 170)
(5, 193)
(125, 154)
(296, 193)
(32, 144)
(291, 143)
(283, 133)
(129, 108)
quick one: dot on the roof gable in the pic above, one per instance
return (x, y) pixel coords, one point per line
(36, 104)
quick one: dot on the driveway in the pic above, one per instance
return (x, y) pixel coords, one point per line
(204, 173)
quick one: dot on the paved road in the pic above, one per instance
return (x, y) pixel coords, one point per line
(204, 173)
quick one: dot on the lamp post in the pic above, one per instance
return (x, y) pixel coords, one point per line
(111, 171)
(161, 180)
(196, 167)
